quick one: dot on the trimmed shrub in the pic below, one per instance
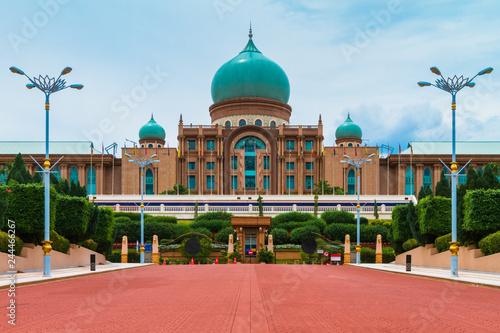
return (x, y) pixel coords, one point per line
(104, 235)
(59, 243)
(442, 243)
(72, 217)
(265, 256)
(384, 223)
(280, 236)
(400, 229)
(5, 241)
(299, 235)
(482, 211)
(289, 226)
(161, 219)
(89, 244)
(410, 244)
(223, 235)
(342, 217)
(214, 216)
(280, 219)
(204, 231)
(126, 227)
(368, 255)
(490, 244)
(212, 225)
(318, 223)
(27, 208)
(362, 220)
(132, 216)
(388, 255)
(369, 233)
(434, 217)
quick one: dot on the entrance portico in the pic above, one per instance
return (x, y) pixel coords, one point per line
(251, 233)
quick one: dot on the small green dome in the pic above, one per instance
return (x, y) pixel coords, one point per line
(348, 129)
(151, 131)
(250, 74)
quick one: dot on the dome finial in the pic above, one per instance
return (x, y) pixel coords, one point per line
(151, 115)
(250, 35)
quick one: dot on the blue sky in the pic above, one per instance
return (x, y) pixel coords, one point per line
(141, 57)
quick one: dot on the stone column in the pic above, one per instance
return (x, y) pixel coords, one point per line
(347, 250)
(156, 254)
(230, 246)
(64, 171)
(378, 251)
(124, 250)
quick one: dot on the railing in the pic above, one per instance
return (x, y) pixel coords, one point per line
(251, 209)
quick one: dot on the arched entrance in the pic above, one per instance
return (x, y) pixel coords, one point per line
(149, 182)
(351, 182)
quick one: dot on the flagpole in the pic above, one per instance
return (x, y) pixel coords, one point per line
(102, 170)
(113, 173)
(168, 154)
(399, 170)
(289, 159)
(177, 169)
(333, 170)
(388, 154)
(323, 172)
(187, 166)
(411, 168)
(212, 172)
(91, 154)
(231, 168)
(255, 150)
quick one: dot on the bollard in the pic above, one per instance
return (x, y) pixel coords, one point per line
(92, 262)
(408, 262)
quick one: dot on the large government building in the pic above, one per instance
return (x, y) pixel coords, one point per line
(251, 147)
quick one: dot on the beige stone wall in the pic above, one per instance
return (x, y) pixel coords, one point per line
(31, 258)
(469, 258)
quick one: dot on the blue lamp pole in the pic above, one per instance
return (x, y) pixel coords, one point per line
(47, 86)
(357, 162)
(142, 162)
(453, 86)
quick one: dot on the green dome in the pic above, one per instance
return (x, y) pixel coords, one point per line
(250, 74)
(151, 131)
(348, 129)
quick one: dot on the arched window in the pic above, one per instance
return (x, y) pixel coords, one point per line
(142, 146)
(91, 181)
(228, 124)
(351, 182)
(73, 176)
(409, 182)
(427, 181)
(149, 182)
(341, 145)
(258, 122)
(242, 122)
(273, 124)
(159, 146)
(462, 177)
(150, 145)
(349, 145)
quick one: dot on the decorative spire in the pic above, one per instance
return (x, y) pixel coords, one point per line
(320, 119)
(250, 35)
(180, 120)
(151, 115)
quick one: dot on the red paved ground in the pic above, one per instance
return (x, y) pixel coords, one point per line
(253, 298)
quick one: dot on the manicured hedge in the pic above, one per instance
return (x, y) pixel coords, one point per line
(223, 235)
(367, 255)
(279, 220)
(59, 243)
(132, 216)
(442, 243)
(89, 244)
(339, 216)
(482, 213)
(368, 233)
(400, 228)
(388, 254)
(27, 208)
(490, 244)
(125, 227)
(214, 216)
(72, 217)
(410, 244)
(280, 236)
(104, 235)
(4, 244)
(132, 229)
(161, 219)
(434, 217)
(212, 225)
(204, 231)
(299, 235)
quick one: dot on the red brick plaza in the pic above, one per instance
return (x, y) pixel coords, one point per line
(253, 298)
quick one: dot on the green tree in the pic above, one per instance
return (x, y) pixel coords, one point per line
(63, 186)
(411, 217)
(421, 193)
(261, 208)
(316, 205)
(53, 180)
(338, 190)
(428, 191)
(472, 178)
(196, 209)
(37, 178)
(375, 209)
(4, 204)
(182, 190)
(489, 180)
(323, 187)
(18, 171)
(443, 188)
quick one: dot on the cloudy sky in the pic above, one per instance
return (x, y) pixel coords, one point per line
(141, 57)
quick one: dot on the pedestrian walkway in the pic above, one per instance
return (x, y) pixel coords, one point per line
(485, 279)
(61, 273)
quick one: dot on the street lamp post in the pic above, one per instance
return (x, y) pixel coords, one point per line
(357, 162)
(47, 86)
(142, 162)
(453, 86)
